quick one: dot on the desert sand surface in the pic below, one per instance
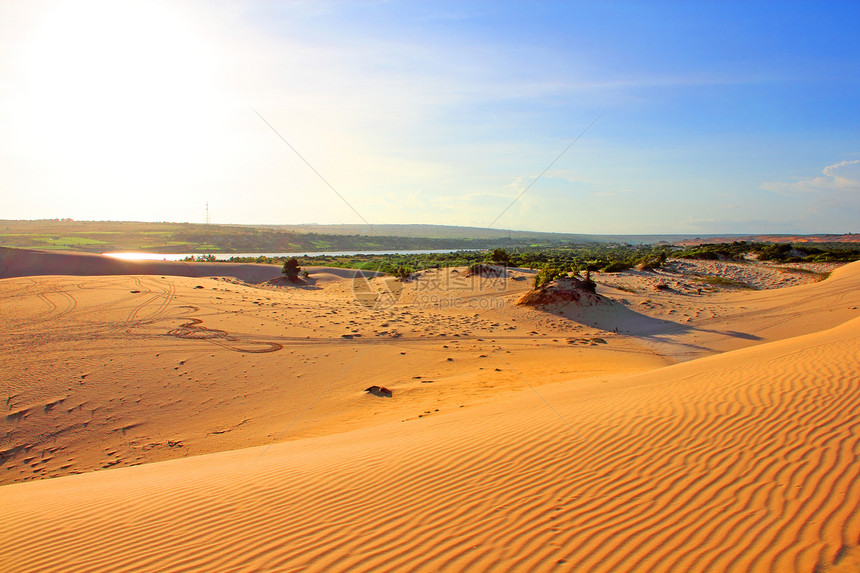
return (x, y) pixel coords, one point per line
(690, 427)
(27, 263)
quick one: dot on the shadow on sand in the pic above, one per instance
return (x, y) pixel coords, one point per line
(613, 316)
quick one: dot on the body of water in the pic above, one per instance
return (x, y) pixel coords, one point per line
(226, 256)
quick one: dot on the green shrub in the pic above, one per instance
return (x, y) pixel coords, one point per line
(702, 255)
(649, 262)
(500, 257)
(291, 269)
(548, 274)
(403, 272)
(615, 268)
(722, 281)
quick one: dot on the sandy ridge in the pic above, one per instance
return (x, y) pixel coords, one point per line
(742, 461)
(738, 462)
(32, 263)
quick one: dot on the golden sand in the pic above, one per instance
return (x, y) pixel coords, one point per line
(614, 437)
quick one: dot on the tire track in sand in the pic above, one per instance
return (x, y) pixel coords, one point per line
(194, 330)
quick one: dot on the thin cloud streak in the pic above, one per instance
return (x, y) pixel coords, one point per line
(843, 176)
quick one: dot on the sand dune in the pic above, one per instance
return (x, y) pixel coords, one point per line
(121, 370)
(743, 461)
(614, 437)
(28, 263)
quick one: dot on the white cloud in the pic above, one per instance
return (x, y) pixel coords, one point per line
(841, 177)
(828, 201)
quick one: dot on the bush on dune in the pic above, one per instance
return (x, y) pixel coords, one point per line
(548, 274)
(615, 268)
(500, 257)
(292, 269)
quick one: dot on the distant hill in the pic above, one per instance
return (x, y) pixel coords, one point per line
(426, 231)
(107, 236)
(455, 232)
(820, 238)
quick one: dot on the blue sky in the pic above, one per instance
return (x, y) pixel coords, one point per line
(717, 117)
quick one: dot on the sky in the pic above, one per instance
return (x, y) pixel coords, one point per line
(577, 117)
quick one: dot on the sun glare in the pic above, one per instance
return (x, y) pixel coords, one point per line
(108, 84)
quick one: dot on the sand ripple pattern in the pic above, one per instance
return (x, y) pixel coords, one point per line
(742, 462)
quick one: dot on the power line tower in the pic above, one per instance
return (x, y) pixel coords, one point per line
(207, 212)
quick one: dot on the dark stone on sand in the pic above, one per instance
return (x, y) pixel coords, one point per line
(381, 391)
